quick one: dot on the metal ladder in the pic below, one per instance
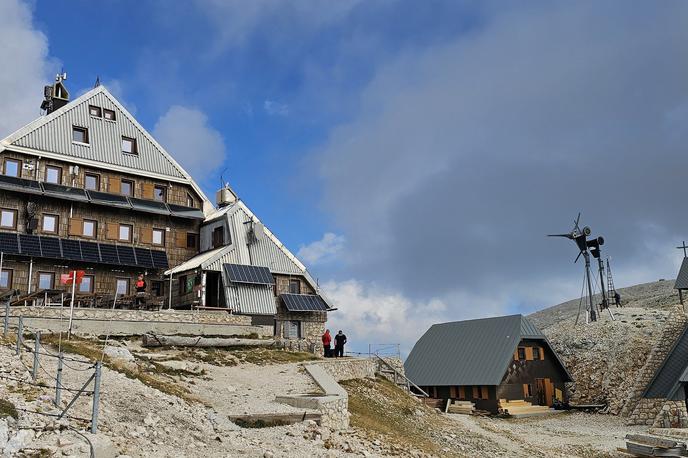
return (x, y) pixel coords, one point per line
(611, 291)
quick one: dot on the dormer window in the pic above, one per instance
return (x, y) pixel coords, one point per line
(190, 200)
(95, 111)
(79, 134)
(109, 114)
(129, 145)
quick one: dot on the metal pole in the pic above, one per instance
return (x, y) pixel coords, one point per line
(28, 288)
(96, 399)
(36, 349)
(6, 326)
(71, 305)
(169, 304)
(593, 315)
(58, 383)
(605, 302)
(20, 334)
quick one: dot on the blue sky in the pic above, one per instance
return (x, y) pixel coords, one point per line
(413, 154)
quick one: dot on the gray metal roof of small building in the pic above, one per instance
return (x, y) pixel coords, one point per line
(472, 352)
(682, 278)
(668, 377)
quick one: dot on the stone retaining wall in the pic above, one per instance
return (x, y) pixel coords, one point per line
(348, 368)
(672, 415)
(182, 316)
(135, 322)
(643, 411)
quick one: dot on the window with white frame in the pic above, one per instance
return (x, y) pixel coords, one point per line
(50, 224)
(292, 329)
(158, 236)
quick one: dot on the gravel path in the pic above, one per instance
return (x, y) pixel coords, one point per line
(569, 434)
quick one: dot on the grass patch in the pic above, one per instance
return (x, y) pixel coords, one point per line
(382, 409)
(147, 374)
(7, 409)
(259, 423)
(237, 355)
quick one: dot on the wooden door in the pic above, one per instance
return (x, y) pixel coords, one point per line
(549, 390)
(539, 397)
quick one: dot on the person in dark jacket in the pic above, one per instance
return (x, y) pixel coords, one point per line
(617, 298)
(339, 341)
(327, 341)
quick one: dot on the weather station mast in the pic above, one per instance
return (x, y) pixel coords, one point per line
(586, 248)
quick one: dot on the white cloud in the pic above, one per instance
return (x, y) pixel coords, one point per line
(370, 314)
(24, 51)
(275, 108)
(237, 20)
(187, 136)
(323, 250)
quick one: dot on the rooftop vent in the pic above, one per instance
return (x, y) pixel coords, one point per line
(225, 196)
(56, 96)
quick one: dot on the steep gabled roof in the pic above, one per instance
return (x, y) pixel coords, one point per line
(682, 277)
(672, 372)
(267, 252)
(472, 352)
(50, 136)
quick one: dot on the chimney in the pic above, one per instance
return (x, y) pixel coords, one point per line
(56, 96)
(225, 196)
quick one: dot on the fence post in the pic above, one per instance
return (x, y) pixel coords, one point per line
(58, 383)
(96, 399)
(36, 349)
(20, 334)
(7, 318)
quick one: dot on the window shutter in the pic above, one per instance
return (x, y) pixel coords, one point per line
(529, 353)
(485, 393)
(542, 353)
(112, 232)
(148, 191)
(114, 185)
(452, 392)
(525, 391)
(76, 226)
(475, 393)
(146, 235)
(516, 355)
(462, 393)
(180, 239)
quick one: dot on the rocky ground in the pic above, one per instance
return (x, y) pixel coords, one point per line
(605, 357)
(143, 417)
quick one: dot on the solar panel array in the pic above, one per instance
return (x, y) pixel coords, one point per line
(240, 273)
(37, 246)
(303, 303)
(99, 198)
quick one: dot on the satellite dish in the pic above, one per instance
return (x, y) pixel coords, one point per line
(258, 231)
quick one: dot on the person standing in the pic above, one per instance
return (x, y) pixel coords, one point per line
(140, 289)
(327, 341)
(339, 341)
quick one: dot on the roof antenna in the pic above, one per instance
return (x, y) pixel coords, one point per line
(97, 81)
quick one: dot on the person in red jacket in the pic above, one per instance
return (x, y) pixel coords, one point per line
(327, 341)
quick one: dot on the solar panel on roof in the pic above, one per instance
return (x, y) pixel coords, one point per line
(19, 184)
(9, 243)
(159, 259)
(71, 249)
(108, 254)
(65, 192)
(186, 212)
(50, 247)
(240, 273)
(303, 303)
(150, 206)
(29, 245)
(126, 255)
(104, 198)
(89, 251)
(143, 257)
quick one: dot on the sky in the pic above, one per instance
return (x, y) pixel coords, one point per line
(413, 154)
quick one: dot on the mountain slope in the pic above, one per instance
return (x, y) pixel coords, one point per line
(606, 356)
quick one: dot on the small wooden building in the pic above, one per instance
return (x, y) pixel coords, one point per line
(486, 360)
